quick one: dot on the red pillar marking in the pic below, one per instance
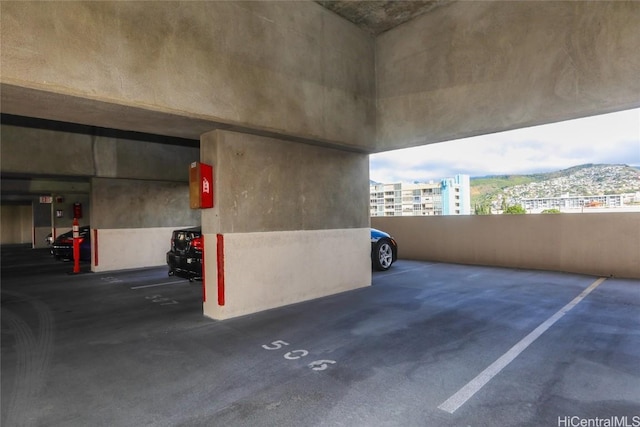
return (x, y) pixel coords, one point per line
(95, 247)
(76, 245)
(220, 258)
(202, 265)
(76, 254)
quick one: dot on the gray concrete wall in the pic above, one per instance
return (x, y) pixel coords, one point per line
(471, 68)
(264, 184)
(41, 222)
(29, 151)
(124, 203)
(12, 187)
(45, 152)
(16, 224)
(602, 244)
(288, 67)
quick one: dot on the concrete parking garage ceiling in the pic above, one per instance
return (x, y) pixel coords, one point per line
(377, 17)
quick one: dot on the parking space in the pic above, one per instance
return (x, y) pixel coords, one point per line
(502, 346)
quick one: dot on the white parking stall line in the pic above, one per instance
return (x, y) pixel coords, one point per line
(472, 387)
(159, 284)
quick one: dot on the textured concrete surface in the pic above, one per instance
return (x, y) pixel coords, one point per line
(472, 68)
(293, 68)
(298, 70)
(266, 184)
(132, 348)
(32, 151)
(45, 152)
(377, 17)
(123, 203)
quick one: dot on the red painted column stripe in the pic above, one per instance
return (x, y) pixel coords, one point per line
(220, 259)
(204, 287)
(95, 247)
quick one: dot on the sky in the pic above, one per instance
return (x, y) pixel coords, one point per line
(610, 138)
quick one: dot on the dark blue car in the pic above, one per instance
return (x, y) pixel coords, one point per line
(62, 247)
(384, 250)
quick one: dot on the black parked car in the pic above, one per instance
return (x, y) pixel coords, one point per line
(62, 246)
(185, 256)
(384, 250)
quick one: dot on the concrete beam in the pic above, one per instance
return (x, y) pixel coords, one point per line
(471, 68)
(185, 68)
(42, 152)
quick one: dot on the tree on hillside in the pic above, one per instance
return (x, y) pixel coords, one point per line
(504, 205)
(483, 209)
(514, 210)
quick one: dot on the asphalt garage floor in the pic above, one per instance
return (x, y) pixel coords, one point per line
(427, 345)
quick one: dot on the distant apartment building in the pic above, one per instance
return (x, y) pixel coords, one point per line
(568, 203)
(451, 196)
(456, 195)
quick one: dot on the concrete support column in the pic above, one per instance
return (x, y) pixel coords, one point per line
(290, 223)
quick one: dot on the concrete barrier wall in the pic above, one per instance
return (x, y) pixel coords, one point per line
(268, 270)
(606, 244)
(130, 248)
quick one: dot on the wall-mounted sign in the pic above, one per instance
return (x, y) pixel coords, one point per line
(200, 186)
(77, 210)
(59, 213)
(46, 199)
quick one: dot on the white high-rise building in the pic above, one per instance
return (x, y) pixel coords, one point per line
(451, 196)
(456, 195)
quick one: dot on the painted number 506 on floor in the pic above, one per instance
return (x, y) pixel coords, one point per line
(316, 365)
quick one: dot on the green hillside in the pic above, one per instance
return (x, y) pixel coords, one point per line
(578, 180)
(485, 189)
